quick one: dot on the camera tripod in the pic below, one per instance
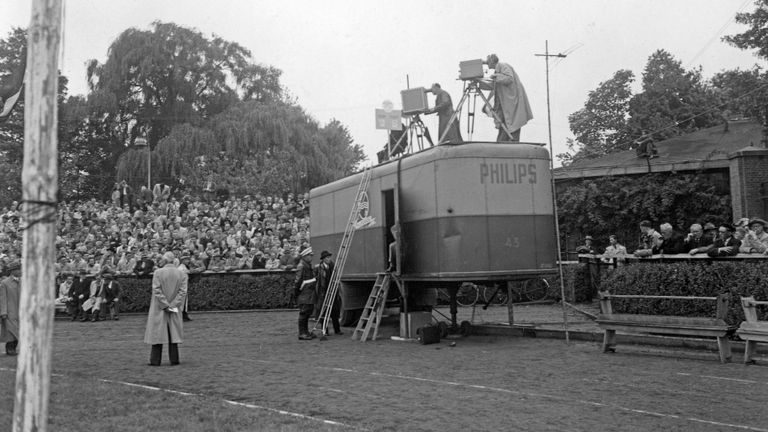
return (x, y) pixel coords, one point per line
(415, 126)
(473, 88)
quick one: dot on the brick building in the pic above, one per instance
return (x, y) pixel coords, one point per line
(732, 155)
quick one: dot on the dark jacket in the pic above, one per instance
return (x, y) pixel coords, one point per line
(702, 243)
(675, 244)
(719, 243)
(144, 266)
(306, 294)
(111, 290)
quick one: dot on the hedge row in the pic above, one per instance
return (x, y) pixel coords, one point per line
(217, 292)
(739, 278)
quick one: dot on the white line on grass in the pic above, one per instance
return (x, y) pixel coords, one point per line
(560, 398)
(247, 405)
(740, 380)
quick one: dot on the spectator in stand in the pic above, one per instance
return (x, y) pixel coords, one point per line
(587, 247)
(116, 195)
(144, 264)
(649, 239)
(726, 244)
(756, 240)
(93, 303)
(63, 296)
(671, 243)
(110, 295)
(259, 262)
(126, 263)
(79, 293)
(272, 263)
(615, 249)
(696, 241)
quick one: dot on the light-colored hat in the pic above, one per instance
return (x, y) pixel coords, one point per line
(758, 221)
(307, 251)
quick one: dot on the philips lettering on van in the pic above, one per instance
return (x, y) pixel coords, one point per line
(507, 173)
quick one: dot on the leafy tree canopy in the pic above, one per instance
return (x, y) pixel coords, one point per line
(155, 79)
(756, 36)
(253, 146)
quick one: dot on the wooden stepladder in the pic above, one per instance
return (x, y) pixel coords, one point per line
(373, 310)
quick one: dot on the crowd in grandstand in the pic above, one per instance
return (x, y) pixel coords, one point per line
(130, 232)
(746, 236)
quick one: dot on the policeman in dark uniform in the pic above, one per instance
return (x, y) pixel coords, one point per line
(305, 291)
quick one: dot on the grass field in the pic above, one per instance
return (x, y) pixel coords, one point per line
(248, 372)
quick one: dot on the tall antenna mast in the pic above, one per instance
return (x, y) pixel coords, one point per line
(546, 56)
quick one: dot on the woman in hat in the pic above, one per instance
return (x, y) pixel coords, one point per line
(756, 239)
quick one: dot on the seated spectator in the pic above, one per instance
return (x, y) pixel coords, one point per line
(696, 241)
(63, 296)
(587, 247)
(614, 249)
(726, 244)
(756, 239)
(649, 239)
(216, 263)
(144, 265)
(126, 263)
(259, 262)
(671, 242)
(272, 263)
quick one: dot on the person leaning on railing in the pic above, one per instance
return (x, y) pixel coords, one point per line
(756, 239)
(671, 242)
(725, 244)
(696, 241)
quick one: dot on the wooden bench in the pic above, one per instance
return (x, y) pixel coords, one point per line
(752, 330)
(666, 324)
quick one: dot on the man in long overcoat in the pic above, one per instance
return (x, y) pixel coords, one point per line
(305, 291)
(9, 308)
(510, 102)
(164, 324)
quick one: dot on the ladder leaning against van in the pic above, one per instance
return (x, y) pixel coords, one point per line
(360, 203)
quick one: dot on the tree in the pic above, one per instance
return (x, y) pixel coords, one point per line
(267, 147)
(601, 126)
(153, 80)
(756, 36)
(673, 101)
(741, 93)
(12, 50)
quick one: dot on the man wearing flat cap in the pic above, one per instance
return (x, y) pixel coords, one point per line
(304, 288)
(725, 244)
(323, 271)
(110, 292)
(587, 247)
(756, 240)
(10, 290)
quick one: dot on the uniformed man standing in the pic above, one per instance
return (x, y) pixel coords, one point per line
(305, 292)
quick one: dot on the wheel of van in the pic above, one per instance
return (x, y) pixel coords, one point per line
(535, 289)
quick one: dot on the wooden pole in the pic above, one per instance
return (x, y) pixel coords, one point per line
(39, 187)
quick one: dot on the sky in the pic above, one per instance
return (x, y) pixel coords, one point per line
(342, 59)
